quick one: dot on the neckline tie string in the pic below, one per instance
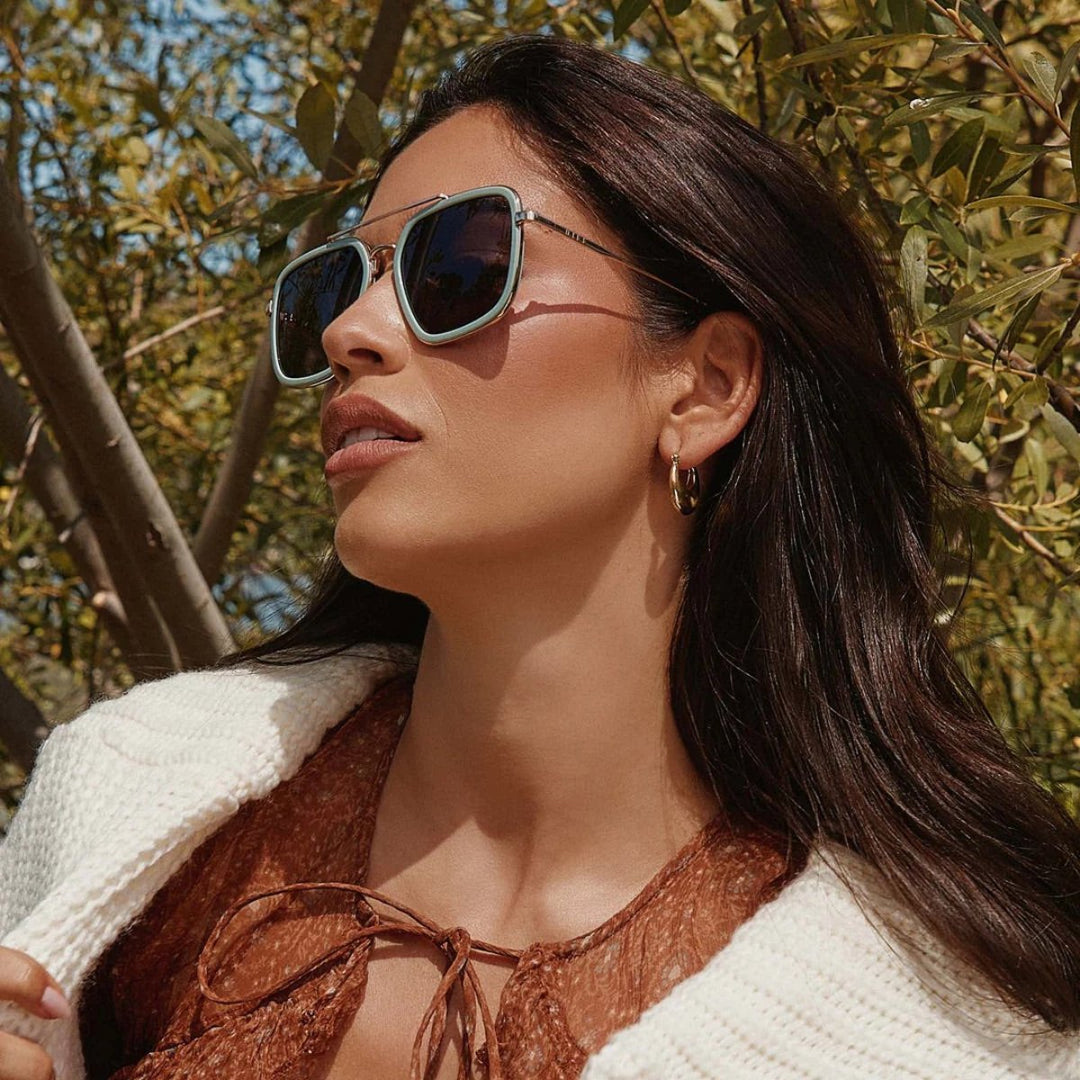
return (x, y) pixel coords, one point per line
(455, 942)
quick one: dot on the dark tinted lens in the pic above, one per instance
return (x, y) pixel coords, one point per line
(310, 298)
(455, 263)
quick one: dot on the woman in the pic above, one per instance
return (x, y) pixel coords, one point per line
(620, 717)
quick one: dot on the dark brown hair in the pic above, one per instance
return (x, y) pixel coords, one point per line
(810, 676)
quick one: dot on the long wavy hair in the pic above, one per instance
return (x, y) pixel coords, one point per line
(810, 675)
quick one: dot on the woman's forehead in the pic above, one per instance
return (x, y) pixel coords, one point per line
(472, 148)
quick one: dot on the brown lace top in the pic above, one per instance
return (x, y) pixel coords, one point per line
(252, 960)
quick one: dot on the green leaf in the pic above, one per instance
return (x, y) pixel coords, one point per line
(907, 16)
(315, 124)
(1019, 287)
(328, 78)
(676, 7)
(943, 390)
(290, 212)
(273, 121)
(626, 15)
(914, 209)
(825, 134)
(1065, 70)
(1074, 147)
(272, 258)
(975, 14)
(973, 262)
(787, 110)
(1016, 324)
(1023, 200)
(137, 152)
(1043, 75)
(968, 421)
(148, 98)
(1062, 430)
(362, 120)
(913, 268)
(1010, 176)
(953, 238)
(775, 45)
(1022, 246)
(1031, 392)
(958, 148)
(989, 161)
(1037, 465)
(222, 138)
(919, 134)
(749, 25)
(129, 181)
(950, 50)
(1046, 346)
(920, 108)
(834, 50)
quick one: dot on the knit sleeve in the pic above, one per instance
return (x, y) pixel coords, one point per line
(27, 857)
(70, 803)
(816, 988)
(122, 793)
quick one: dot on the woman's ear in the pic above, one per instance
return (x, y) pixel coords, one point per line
(719, 372)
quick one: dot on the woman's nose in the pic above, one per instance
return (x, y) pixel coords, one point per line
(368, 330)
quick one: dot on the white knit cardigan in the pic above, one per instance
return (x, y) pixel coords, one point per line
(806, 988)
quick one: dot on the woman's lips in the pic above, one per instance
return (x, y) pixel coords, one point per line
(364, 455)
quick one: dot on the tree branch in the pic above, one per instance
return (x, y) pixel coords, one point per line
(177, 328)
(661, 14)
(1030, 541)
(69, 502)
(74, 393)
(22, 727)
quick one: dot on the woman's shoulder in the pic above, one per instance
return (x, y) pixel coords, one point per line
(256, 697)
(168, 757)
(818, 984)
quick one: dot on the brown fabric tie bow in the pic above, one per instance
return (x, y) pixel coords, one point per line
(455, 942)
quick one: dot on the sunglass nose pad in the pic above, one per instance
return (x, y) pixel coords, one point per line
(382, 258)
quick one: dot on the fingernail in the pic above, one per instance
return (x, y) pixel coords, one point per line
(55, 1004)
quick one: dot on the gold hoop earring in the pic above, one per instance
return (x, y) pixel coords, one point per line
(684, 496)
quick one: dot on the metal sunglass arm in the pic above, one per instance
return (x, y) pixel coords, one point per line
(532, 215)
(378, 217)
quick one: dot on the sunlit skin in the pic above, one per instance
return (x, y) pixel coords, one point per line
(539, 782)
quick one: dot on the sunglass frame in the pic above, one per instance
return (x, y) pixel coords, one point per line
(516, 259)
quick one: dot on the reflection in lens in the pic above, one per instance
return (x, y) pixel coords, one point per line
(455, 262)
(310, 298)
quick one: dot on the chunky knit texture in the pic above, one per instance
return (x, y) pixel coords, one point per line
(812, 986)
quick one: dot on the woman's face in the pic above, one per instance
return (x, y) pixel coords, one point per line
(534, 440)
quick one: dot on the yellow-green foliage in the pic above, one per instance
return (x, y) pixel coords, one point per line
(166, 155)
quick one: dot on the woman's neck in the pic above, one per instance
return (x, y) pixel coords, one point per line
(532, 759)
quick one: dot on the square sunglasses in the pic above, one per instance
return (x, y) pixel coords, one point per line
(456, 267)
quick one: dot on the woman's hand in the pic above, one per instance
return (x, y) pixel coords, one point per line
(24, 981)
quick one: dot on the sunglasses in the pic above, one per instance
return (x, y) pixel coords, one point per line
(456, 266)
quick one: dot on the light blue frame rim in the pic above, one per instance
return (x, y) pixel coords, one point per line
(337, 241)
(272, 307)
